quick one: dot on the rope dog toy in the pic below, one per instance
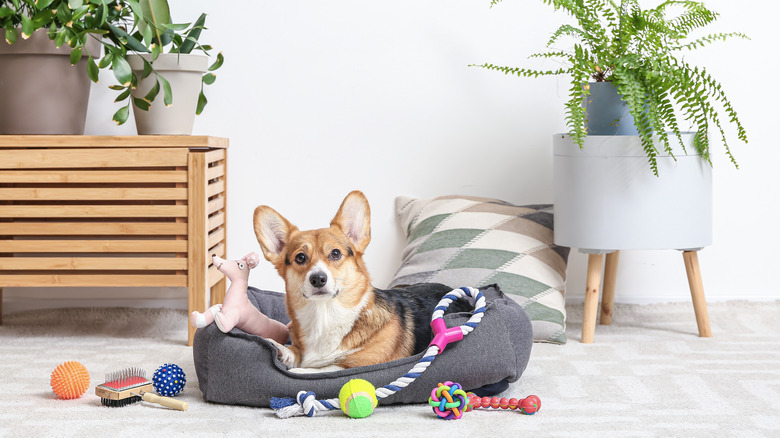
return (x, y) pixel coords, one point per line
(306, 403)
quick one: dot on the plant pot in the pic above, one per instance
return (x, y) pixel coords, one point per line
(41, 92)
(606, 112)
(185, 73)
(606, 197)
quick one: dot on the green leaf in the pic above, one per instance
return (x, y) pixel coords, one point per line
(92, 69)
(10, 33)
(167, 92)
(122, 71)
(130, 40)
(193, 35)
(209, 78)
(121, 115)
(140, 103)
(218, 63)
(201, 103)
(156, 13)
(75, 4)
(75, 56)
(147, 69)
(6, 12)
(123, 95)
(27, 27)
(43, 4)
(105, 61)
(153, 92)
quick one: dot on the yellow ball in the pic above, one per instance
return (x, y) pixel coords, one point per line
(358, 398)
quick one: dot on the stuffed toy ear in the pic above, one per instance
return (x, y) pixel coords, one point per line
(354, 220)
(272, 231)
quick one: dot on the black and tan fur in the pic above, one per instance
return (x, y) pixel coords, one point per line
(338, 319)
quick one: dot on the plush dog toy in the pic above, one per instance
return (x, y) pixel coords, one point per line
(237, 311)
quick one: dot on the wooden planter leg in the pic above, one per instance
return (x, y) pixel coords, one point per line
(697, 292)
(608, 294)
(592, 286)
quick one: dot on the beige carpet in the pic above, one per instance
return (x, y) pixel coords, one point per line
(647, 375)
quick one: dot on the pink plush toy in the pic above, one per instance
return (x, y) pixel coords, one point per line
(237, 311)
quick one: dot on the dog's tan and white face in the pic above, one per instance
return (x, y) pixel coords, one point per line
(335, 320)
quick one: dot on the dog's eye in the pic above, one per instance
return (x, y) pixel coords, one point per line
(335, 254)
(300, 258)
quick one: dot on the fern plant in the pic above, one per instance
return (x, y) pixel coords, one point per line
(638, 50)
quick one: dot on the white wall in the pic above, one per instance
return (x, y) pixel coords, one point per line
(319, 98)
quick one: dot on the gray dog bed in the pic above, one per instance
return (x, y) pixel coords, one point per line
(239, 368)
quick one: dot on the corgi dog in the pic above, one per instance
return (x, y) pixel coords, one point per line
(338, 319)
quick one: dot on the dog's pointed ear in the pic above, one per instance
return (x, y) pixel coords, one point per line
(354, 219)
(272, 231)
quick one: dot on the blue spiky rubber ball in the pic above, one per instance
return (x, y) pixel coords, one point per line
(169, 380)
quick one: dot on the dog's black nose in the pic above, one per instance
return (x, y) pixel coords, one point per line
(318, 279)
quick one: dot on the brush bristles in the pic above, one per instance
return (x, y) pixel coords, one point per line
(120, 403)
(126, 374)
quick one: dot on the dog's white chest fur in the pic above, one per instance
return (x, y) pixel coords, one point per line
(324, 324)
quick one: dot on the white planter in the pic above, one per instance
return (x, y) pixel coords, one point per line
(607, 198)
(184, 72)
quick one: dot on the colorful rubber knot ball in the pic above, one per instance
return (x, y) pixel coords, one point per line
(449, 401)
(169, 380)
(70, 380)
(358, 398)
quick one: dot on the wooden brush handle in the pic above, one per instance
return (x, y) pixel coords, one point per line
(166, 401)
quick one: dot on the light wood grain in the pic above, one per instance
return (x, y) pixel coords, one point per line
(44, 228)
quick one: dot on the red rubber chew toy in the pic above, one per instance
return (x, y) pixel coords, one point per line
(529, 405)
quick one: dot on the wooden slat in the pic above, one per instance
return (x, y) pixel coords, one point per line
(93, 280)
(218, 250)
(99, 246)
(93, 176)
(215, 172)
(85, 158)
(92, 211)
(216, 188)
(91, 263)
(113, 141)
(92, 194)
(216, 237)
(215, 155)
(215, 205)
(214, 276)
(215, 221)
(93, 228)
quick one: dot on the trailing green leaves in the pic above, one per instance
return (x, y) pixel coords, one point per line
(635, 49)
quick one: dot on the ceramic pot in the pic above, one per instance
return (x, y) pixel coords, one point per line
(41, 92)
(607, 198)
(606, 112)
(185, 73)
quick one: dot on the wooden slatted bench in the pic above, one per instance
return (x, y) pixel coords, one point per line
(110, 211)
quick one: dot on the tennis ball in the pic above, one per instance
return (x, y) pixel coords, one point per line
(358, 398)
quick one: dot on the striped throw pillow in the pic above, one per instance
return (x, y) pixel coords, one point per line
(470, 241)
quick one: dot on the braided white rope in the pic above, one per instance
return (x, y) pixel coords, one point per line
(306, 402)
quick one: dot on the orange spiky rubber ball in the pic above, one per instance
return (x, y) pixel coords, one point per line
(70, 380)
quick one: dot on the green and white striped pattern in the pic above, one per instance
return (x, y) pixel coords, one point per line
(460, 240)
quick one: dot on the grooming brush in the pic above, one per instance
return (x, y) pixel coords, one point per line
(129, 386)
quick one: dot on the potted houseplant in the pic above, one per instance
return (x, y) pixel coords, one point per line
(121, 27)
(177, 72)
(39, 41)
(605, 200)
(635, 55)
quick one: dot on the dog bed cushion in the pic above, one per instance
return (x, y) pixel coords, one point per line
(239, 368)
(457, 240)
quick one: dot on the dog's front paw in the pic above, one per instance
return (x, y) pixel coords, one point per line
(286, 356)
